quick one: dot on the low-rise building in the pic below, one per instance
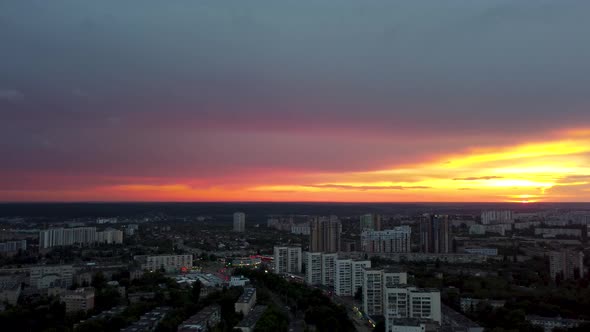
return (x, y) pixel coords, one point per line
(246, 301)
(203, 321)
(47, 276)
(170, 263)
(81, 299)
(148, 321)
(482, 251)
(10, 288)
(550, 323)
(238, 281)
(249, 322)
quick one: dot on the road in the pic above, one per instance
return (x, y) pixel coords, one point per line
(361, 324)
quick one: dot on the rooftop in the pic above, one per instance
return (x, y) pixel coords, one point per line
(247, 295)
(252, 318)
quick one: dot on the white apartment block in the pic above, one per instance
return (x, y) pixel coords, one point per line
(497, 217)
(395, 278)
(48, 276)
(167, 262)
(374, 283)
(343, 280)
(402, 301)
(287, 259)
(239, 222)
(110, 236)
(373, 291)
(357, 274)
(301, 229)
(313, 268)
(55, 237)
(387, 241)
(329, 269)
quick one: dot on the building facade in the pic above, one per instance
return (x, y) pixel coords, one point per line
(325, 234)
(398, 239)
(435, 234)
(287, 259)
(167, 262)
(343, 279)
(566, 264)
(239, 222)
(48, 276)
(313, 268)
(81, 299)
(402, 301)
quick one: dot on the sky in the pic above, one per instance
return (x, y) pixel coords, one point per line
(327, 100)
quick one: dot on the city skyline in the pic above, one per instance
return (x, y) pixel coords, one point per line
(383, 102)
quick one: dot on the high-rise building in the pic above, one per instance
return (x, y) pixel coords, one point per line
(435, 234)
(567, 264)
(387, 241)
(374, 282)
(343, 280)
(325, 234)
(357, 273)
(497, 217)
(239, 222)
(56, 237)
(329, 269)
(373, 291)
(402, 301)
(313, 268)
(287, 259)
(370, 222)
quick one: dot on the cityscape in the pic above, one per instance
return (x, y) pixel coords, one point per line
(211, 267)
(294, 166)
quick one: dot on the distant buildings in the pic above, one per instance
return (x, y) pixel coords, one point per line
(148, 321)
(246, 301)
(435, 234)
(370, 222)
(287, 259)
(392, 240)
(497, 217)
(169, 263)
(10, 288)
(57, 237)
(203, 321)
(239, 222)
(81, 299)
(12, 247)
(110, 236)
(325, 234)
(49, 276)
(550, 323)
(482, 251)
(301, 229)
(566, 264)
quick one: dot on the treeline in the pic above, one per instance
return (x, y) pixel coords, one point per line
(318, 309)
